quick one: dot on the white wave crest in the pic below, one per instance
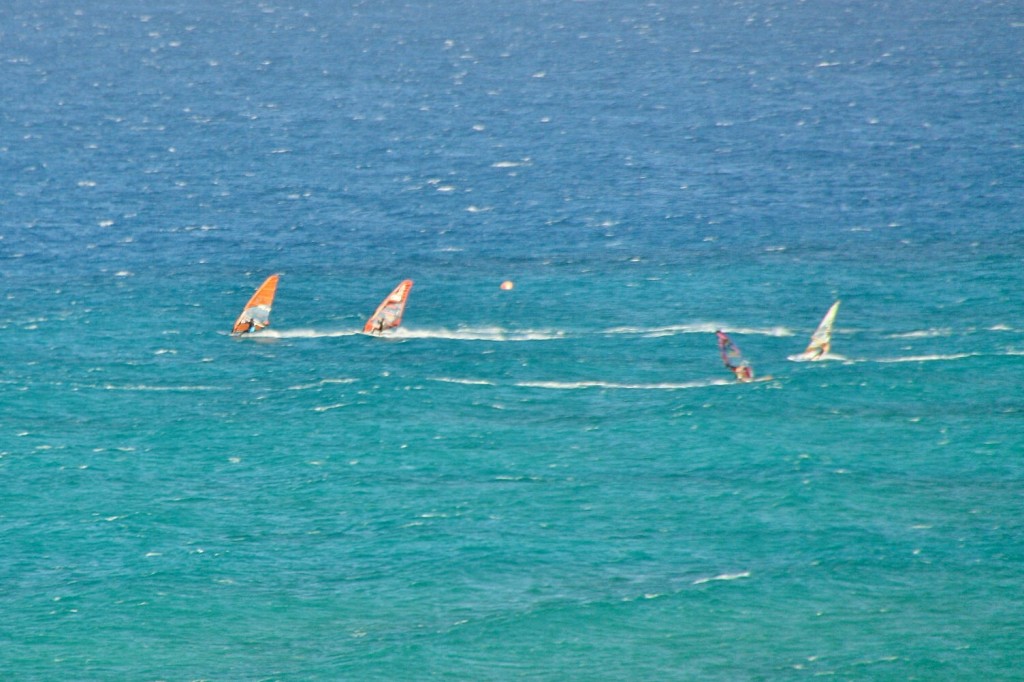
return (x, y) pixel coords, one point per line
(661, 386)
(464, 382)
(928, 358)
(147, 387)
(511, 164)
(325, 408)
(923, 334)
(477, 334)
(723, 576)
(802, 357)
(318, 384)
(699, 328)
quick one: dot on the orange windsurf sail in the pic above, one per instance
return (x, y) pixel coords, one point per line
(256, 314)
(389, 313)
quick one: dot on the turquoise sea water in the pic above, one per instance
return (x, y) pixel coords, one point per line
(555, 482)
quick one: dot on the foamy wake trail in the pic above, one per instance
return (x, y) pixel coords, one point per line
(661, 386)
(933, 357)
(304, 333)
(500, 334)
(833, 357)
(581, 385)
(928, 358)
(723, 576)
(699, 328)
(477, 334)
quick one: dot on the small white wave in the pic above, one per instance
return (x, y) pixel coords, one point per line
(778, 332)
(801, 357)
(723, 576)
(511, 164)
(928, 358)
(147, 387)
(699, 328)
(661, 386)
(478, 334)
(325, 408)
(318, 384)
(465, 382)
(923, 334)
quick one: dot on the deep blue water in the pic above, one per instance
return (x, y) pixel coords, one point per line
(555, 482)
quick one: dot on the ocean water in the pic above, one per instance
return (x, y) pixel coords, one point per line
(555, 482)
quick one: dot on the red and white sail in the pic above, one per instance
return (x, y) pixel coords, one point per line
(389, 313)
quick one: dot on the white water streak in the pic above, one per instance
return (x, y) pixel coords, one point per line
(303, 333)
(662, 386)
(464, 382)
(477, 334)
(149, 387)
(723, 576)
(923, 334)
(322, 382)
(325, 408)
(928, 358)
(699, 328)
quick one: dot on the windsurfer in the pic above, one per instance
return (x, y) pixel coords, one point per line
(733, 359)
(388, 314)
(256, 314)
(821, 340)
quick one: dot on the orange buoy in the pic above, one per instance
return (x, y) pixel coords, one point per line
(507, 285)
